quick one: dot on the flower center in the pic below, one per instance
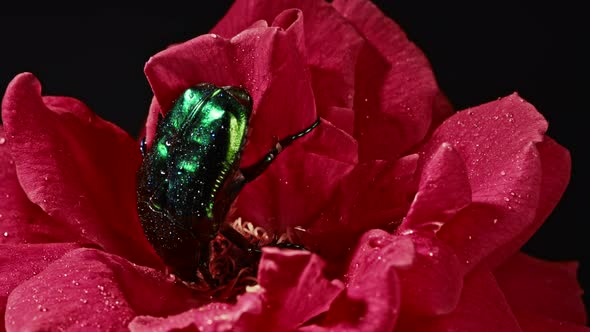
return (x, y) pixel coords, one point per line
(232, 267)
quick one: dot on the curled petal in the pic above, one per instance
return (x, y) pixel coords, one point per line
(444, 190)
(291, 291)
(530, 322)
(77, 167)
(90, 289)
(396, 93)
(497, 142)
(296, 289)
(332, 46)
(482, 307)
(431, 285)
(373, 195)
(215, 317)
(22, 221)
(372, 298)
(556, 166)
(548, 289)
(23, 261)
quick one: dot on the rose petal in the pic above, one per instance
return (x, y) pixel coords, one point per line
(90, 289)
(21, 262)
(556, 169)
(291, 291)
(549, 289)
(372, 298)
(21, 221)
(444, 190)
(432, 284)
(372, 195)
(539, 323)
(214, 317)
(297, 185)
(296, 287)
(497, 144)
(264, 60)
(332, 46)
(77, 167)
(395, 89)
(482, 308)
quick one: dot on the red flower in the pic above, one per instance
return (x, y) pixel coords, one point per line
(414, 215)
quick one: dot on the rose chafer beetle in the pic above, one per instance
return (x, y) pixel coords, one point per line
(190, 176)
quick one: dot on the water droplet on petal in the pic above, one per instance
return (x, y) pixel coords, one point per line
(495, 221)
(84, 301)
(2, 140)
(41, 308)
(502, 173)
(375, 243)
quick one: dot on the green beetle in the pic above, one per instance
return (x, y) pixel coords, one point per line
(190, 176)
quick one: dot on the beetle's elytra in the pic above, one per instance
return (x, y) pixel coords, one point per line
(190, 175)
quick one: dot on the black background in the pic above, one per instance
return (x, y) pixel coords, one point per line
(479, 52)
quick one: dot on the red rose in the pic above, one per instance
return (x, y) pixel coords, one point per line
(414, 215)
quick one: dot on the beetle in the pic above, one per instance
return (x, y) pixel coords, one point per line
(190, 176)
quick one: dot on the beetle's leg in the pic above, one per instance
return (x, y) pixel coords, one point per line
(253, 171)
(238, 239)
(204, 255)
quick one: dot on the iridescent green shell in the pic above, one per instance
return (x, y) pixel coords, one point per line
(193, 156)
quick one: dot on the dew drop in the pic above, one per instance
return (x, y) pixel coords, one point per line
(84, 301)
(5, 234)
(41, 308)
(467, 261)
(495, 221)
(100, 287)
(214, 36)
(502, 173)
(2, 140)
(430, 253)
(375, 243)
(469, 237)
(507, 199)
(75, 283)
(45, 178)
